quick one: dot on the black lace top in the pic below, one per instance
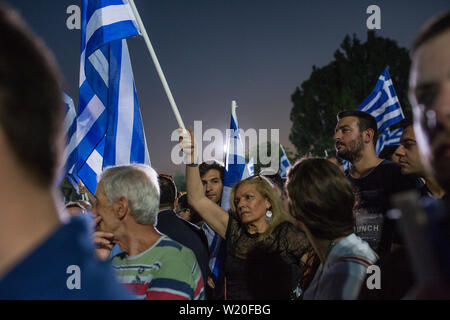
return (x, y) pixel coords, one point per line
(263, 269)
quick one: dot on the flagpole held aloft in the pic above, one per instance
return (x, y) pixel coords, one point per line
(157, 65)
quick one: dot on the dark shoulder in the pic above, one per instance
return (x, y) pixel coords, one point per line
(388, 166)
(292, 240)
(391, 171)
(288, 229)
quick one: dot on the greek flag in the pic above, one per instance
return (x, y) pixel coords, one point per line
(284, 163)
(70, 131)
(110, 130)
(388, 138)
(235, 163)
(382, 103)
(249, 169)
(236, 169)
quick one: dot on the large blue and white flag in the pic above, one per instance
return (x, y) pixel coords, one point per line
(110, 130)
(388, 138)
(382, 103)
(284, 163)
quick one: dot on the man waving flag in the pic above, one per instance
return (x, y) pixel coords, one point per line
(110, 130)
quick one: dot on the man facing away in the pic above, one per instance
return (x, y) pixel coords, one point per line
(152, 265)
(374, 180)
(177, 228)
(43, 255)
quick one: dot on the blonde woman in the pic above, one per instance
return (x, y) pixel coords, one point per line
(264, 249)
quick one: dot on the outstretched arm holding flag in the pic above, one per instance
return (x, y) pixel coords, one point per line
(256, 215)
(214, 215)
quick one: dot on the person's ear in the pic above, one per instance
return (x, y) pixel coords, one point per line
(268, 204)
(122, 207)
(368, 135)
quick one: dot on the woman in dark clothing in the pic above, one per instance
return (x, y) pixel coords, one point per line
(264, 249)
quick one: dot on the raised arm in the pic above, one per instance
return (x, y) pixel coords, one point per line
(215, 216)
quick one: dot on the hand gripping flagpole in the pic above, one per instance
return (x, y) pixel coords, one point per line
(157, 65)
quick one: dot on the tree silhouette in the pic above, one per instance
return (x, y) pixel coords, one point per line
(342, 85)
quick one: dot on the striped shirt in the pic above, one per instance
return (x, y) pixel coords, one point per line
(165, 271)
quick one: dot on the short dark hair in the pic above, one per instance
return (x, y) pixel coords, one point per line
(31, 108)
(365, 121)
(331, 156)
(327, 217)
(183, 205)
(205, 166)
(405, 123)
(437, 25)
(168, 190)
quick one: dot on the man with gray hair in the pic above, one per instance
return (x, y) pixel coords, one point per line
(152, 265)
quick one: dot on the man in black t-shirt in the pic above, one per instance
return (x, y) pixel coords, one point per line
(374, 180)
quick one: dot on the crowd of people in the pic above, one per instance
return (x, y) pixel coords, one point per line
(311, 236)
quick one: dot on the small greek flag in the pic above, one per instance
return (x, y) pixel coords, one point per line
(234, 159)
(249, 169)
(284, 163)
(388, 138)
(382, 103)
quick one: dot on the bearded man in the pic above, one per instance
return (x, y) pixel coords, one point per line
(374, 180)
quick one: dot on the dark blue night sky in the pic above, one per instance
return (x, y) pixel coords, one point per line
(214, 51)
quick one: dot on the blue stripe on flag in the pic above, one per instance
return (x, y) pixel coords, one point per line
(117, 31)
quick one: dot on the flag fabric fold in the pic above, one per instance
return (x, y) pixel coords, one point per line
(110, 130)
(382, 103)
(70, 130)
(388, 138)
(69, 158)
